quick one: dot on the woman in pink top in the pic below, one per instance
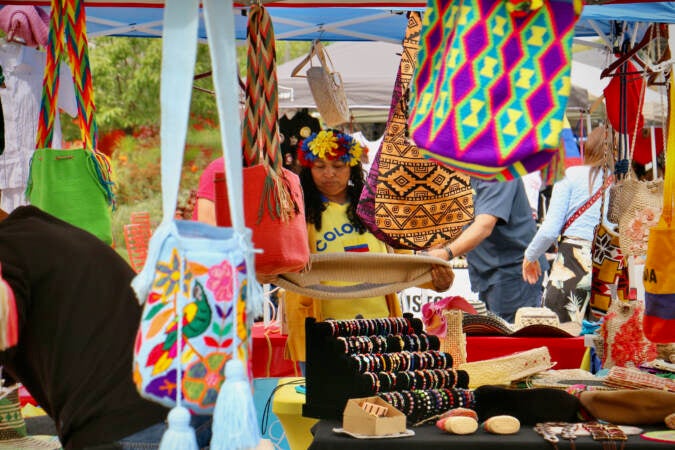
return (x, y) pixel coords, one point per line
(205, 208)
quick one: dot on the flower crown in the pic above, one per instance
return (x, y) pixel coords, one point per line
(329, 144)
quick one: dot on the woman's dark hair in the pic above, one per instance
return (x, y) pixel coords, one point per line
(314, 203)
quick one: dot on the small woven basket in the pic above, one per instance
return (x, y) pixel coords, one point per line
(454, 341)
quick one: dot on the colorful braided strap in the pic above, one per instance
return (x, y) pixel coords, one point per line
(260, 140)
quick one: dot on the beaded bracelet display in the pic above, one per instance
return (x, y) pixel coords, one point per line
(397, 362)
(368, 327)
(420, 405)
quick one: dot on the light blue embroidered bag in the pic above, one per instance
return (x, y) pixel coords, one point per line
(198, 283)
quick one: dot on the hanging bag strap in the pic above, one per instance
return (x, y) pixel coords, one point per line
(260, 141)
(583, 208)
(67, 41)
(320, 52)
(261, 133)
(306, 60)
(50, 81)
(669, 178)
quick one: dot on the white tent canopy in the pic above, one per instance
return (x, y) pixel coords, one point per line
(368, 71)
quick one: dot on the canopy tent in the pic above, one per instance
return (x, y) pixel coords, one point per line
(368, 71)
(334, 20)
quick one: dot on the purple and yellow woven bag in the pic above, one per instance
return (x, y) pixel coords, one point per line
(493, 79)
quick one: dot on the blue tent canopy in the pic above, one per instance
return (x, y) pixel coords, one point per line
(338, 20)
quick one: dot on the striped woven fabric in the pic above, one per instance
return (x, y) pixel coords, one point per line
(261, 132)
(627, 378)
(260, 137)
(493, 82)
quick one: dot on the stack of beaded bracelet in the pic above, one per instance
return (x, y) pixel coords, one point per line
(369, 327)
(419, 405)
(401, 361)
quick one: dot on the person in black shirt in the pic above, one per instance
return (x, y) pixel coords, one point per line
(77, 322)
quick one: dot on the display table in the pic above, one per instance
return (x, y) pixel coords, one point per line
(268, 353)
(567, 353)
(430, 437)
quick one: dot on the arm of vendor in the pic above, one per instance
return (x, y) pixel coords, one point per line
(471, 237)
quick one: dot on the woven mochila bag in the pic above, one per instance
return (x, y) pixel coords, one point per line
(492, 84)
(73, 184)
(198, 286)
(273, 198)
(418, 203)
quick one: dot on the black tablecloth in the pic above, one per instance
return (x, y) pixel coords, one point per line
(430, 437)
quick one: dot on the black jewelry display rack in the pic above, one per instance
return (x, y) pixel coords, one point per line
(389, 357)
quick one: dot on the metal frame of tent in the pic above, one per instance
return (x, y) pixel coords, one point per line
(341, 20)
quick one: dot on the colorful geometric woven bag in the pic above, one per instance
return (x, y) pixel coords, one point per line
(418, 203)
(492, 84)
(609, 276)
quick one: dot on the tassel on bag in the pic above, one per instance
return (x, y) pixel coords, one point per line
(235, 423)
(179, 435)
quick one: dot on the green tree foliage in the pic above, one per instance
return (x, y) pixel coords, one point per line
(126, 74)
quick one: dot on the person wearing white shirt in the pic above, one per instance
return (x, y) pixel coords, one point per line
(573, 213)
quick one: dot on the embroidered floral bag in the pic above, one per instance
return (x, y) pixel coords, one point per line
(197, 282)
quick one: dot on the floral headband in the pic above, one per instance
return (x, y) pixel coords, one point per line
(329, 144)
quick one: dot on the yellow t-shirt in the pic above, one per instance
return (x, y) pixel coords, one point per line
(337, 235)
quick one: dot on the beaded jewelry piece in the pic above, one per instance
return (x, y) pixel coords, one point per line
(545, 430)
(607, 433)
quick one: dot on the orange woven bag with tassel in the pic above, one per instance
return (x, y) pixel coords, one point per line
(273, 200)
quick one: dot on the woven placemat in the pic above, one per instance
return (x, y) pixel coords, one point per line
(368, 274)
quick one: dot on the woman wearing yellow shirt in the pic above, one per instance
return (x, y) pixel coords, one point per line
(332, 180)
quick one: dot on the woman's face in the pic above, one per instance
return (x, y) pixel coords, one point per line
(331, 178)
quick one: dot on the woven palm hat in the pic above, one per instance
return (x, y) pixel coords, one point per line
(487, 324)
(359, 275)
(13, 434)
(542, 322)
(508, 368)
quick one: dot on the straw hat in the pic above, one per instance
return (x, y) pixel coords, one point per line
(29, 24)
(487, 324)
(13, 433)
(505, 369)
